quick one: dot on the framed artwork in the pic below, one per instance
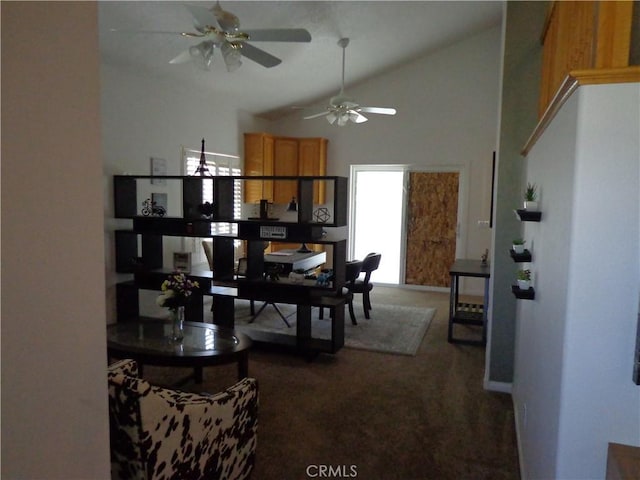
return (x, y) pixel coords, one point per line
(158, 168)
(493, 187)
(160, 200)
(182, 261)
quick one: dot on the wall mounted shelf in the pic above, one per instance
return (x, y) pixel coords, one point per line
(529, 294)
(528, 215)
(520, 257)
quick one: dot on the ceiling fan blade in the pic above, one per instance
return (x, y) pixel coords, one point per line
(378, 110)
(183, 57)
(259, 56)
(316, 115)
(155, 32)
(202, 15)
(279, 35)
(357, 117)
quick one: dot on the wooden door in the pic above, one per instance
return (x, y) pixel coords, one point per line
(432, 218)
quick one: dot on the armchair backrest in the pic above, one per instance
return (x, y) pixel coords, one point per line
(158, 433)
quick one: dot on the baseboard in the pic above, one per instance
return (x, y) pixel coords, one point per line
(518, 442)
(422, 288)
(502, 387)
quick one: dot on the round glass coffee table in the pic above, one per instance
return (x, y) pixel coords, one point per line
(148, 341)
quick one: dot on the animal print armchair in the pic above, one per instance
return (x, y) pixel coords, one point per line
(157, 433)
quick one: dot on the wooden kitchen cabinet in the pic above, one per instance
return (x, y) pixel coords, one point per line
(267, 155)
(258, 162)
(286, 159)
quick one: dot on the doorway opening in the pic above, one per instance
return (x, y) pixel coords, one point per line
(377, 213)
(410, 216)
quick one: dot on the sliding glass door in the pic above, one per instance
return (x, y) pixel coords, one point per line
(377, 213)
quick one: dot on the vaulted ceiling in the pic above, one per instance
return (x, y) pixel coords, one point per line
(383, 35)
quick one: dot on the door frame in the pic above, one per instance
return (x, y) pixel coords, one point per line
(461, 230)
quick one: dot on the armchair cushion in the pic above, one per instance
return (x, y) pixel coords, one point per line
(158, 433)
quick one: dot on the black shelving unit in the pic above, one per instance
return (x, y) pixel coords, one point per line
(148, 272)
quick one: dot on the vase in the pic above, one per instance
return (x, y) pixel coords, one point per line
(177, 323)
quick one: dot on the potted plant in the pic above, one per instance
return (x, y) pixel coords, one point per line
(531, 197)
(518, 245)
(524, 279)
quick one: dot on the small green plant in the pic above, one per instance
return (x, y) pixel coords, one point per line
(524, 274)
(519, 241)
(531, 193)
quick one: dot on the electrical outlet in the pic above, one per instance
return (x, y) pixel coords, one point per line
(483, 223)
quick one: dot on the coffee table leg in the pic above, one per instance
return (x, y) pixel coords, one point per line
(243, 365)
(197, 375)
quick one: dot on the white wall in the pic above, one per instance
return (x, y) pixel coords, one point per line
(144, 117)
(447, 109)
(575, 341)
(54, 383)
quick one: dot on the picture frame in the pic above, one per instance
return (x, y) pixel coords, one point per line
(160, 200)
(182, 261)
(158, 168)
(493, 188)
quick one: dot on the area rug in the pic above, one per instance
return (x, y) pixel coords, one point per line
(393, 329)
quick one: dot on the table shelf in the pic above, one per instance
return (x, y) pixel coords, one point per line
(469, 313)
(463, 313)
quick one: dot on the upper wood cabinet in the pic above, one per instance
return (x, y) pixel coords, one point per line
(258, 161)
(583, 35)
(265, 155)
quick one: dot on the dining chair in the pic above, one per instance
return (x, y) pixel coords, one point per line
(352, 270)
(207, 246)
(370, 263)
(241, 272)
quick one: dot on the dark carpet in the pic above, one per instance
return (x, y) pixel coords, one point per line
(370, 415)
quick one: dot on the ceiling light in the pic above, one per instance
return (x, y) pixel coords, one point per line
(202, 54)
(231, 54)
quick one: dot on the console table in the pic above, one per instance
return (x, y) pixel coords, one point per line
(468, 313)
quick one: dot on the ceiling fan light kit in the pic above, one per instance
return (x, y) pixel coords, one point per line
(342, 108)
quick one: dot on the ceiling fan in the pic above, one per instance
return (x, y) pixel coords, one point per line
(343, 108)
(219, 29)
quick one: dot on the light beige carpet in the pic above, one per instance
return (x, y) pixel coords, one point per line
(391, 328)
